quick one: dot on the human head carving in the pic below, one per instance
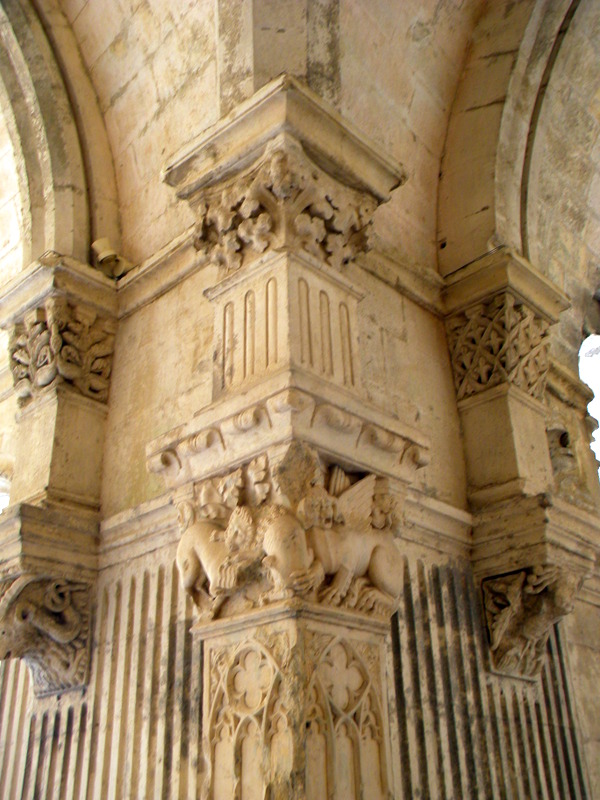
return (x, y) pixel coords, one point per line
(319, 509)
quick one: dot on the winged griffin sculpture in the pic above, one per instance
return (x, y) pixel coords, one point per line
(256, 536)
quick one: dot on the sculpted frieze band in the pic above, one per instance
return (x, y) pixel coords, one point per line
(293, 529)
(179, 457)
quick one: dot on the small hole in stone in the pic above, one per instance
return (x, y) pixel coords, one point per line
(443, 244)
(564, 439)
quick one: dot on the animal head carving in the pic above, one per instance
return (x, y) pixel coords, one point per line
(521, 609)
(319, 509)
(46, 622)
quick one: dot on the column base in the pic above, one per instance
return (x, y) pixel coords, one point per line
(296, 700)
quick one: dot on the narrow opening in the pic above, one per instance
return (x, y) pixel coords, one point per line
(4, 492)
(589, 371)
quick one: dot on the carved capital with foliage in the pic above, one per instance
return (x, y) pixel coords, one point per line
(283, 201)
(521, 609)
(284, 171)
(46, 622)
(62, 342)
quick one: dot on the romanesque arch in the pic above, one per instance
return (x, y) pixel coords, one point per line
(61, 154)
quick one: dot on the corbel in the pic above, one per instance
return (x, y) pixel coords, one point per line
(534, 542)
(61, 318)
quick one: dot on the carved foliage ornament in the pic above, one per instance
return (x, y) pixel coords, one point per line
(263, 533)
(46, 622)
(62, 342)
(285, 201)
(500, 341)
(520, 610)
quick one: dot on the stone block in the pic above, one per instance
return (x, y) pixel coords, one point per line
(292, 705)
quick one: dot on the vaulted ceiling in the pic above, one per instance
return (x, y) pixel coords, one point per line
(493, 108)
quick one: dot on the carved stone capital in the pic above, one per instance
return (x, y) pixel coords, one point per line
(46, 622)
(277, 529)
(500, 310)
(284, 201)
(283, 172)
(499, 341)
(61, 316)
(48, 562)
(62, 342)
(521, 609)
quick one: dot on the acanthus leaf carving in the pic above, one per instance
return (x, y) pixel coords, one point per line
(502, 340)
(283, 201)
(247, 420)
(414, 454)
(62, 342)
(382, 439)
(166, 462)
(250, 538)
(521, 608)
(46, 622)
(290, 400)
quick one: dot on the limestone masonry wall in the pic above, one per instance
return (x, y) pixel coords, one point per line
(302, 504)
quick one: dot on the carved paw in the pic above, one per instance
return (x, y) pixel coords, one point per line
(306, 580)
(372, 599)
(333, 595)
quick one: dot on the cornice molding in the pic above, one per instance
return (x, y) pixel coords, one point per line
(284, 104)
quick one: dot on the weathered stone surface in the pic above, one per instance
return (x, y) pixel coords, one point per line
(46, 622)
(521, 609)
(301, 410)
(295, 708)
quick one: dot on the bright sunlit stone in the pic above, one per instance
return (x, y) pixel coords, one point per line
(589, 371)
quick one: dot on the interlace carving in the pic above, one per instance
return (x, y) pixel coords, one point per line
(46, 622)
(62, 342)
(500, 341)
(268, 532)
(520, 610)
(285, 201)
